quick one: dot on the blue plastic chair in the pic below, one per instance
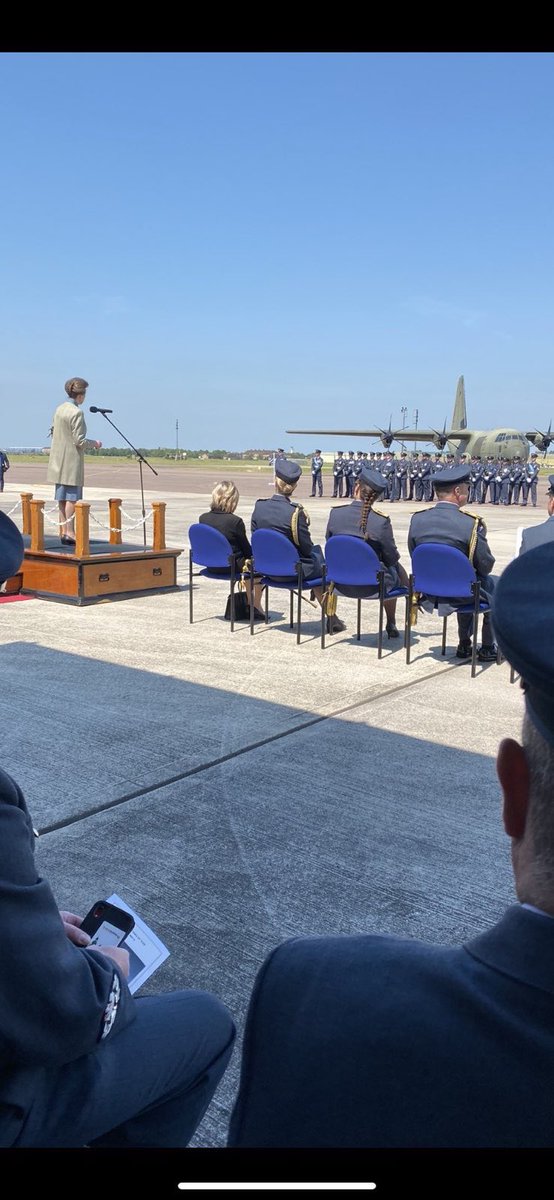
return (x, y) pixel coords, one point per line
(351, 562)
(210, 549)
(276, 559)
(440, 572)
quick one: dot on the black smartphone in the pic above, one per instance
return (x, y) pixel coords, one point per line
(106, 924)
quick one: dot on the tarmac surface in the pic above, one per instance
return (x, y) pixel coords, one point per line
(239, 790)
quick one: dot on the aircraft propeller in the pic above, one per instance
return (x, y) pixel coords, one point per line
(387, 436)
(440, 439)
(543, 440)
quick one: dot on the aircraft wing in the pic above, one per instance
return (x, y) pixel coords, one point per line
(438, 437)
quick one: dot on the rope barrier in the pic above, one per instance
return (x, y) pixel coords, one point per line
(124, 528)
(107, 528)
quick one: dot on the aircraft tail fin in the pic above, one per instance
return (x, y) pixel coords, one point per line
(459, 419)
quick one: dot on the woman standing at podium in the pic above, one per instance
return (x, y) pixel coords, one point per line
(66, 465)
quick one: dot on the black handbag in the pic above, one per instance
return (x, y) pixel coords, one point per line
(242, 607)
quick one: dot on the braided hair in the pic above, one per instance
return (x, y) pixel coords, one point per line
(368, 498)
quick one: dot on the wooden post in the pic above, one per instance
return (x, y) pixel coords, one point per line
(158, 536)
(82, 545)
(26, 498)
(37, 525)
(115, 522)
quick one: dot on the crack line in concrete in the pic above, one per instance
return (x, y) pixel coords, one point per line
(217, 762)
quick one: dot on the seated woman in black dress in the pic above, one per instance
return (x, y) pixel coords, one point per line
(360, 519)
(221, 516)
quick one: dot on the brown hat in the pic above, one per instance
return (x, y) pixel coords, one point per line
(75, 386)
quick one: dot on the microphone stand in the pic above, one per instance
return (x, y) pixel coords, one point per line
(142, 460)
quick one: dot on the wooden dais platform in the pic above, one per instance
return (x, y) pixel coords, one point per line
(93, 571)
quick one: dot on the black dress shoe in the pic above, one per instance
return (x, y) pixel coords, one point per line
(335, 625)
(392, 630)
(487, 653)
(67, 541)
(464, 650)
(259, 615)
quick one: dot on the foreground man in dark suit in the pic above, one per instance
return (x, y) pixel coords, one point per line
(446, 524)
(81, 1061)
(384, 1042)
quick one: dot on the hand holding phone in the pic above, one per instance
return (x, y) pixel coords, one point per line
(107, 924)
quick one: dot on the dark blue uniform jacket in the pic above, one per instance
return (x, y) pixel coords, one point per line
(57, 1001)
(389, 1042)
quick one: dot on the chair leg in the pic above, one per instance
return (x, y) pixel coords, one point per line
(408, 634)
(267, 604)
(474, 646)
(190, 587)
(406, 622)
(443, 648)
(232, 595)
(299, 606)
(477, 599)
(232, 591)
(381, 610)
(252, 598)
(291, 614)
(358, 631)
(323, 609)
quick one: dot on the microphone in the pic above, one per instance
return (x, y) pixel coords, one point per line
(93, 408)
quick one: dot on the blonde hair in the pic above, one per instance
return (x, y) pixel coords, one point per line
(225, 497)
(284, 489)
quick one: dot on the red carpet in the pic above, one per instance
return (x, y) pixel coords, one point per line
(8, 599)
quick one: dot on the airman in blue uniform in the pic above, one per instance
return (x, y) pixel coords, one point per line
(338, 473)
(317, 468)
(530, 477)
(447, 524)
(362, 520)
(280, 513)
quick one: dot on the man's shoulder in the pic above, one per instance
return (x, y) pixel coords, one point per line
(355, 959)
(421, 512)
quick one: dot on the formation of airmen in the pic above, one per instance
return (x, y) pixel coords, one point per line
(410, 476)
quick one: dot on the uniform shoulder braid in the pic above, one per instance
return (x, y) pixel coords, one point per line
(476, 517)
(378, 513)
(298, 508)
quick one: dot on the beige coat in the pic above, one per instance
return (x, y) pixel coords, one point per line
(69, 440)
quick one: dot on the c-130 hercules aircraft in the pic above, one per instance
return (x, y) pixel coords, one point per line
(498, 443)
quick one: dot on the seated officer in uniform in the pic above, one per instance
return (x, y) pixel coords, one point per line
(361, 519)
(380, 1041)
(81, 1061)
(279, 513)
(446, 523)
(535, 535)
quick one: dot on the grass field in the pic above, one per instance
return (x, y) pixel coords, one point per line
(224, 466)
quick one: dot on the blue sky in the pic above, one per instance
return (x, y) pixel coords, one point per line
(248, 242)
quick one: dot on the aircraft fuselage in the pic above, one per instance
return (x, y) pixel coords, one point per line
(501, 443)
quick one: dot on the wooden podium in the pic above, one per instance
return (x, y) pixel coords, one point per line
(90, 572)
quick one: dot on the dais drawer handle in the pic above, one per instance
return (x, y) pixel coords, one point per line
(104, 578)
